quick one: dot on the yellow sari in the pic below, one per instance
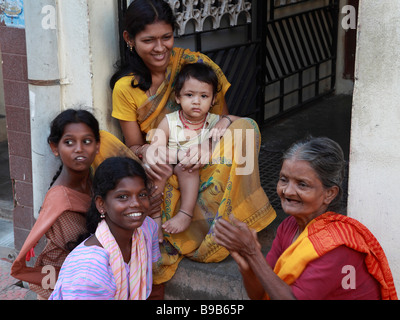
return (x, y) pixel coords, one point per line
(222, 190)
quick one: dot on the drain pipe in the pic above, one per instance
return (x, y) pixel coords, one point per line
(72, 46)
(44, 90)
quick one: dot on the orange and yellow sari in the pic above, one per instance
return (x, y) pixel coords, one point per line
(221, 192)
(328, 232)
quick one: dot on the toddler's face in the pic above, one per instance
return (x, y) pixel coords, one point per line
(196, 99)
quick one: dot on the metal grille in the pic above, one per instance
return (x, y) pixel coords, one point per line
(238, 64)
(300, 53)
(229, 41)
(277, 54)
(269, 167)
(223, 30)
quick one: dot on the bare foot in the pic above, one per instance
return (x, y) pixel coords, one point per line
(179, 223)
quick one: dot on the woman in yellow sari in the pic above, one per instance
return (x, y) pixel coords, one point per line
(143, 92)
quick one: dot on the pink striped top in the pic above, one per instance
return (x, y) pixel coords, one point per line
(87, 275)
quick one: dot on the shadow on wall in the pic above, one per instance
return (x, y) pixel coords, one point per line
(6, 198)
(3, 127)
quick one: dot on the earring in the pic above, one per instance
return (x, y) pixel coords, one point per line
(129, 46)
(102, 214)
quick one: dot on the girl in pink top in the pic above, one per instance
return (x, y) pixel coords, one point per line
(115, 262)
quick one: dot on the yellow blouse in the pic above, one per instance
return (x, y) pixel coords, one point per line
(126, 100)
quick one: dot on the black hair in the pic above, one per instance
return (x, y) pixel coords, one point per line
(65, 118)
(139, 14)
(108, 174)
(106, 178)
(199, 71)
(326, 157)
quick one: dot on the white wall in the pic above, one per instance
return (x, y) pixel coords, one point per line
(104, 53)
(42, 48)
(375, 145)
(79, 51)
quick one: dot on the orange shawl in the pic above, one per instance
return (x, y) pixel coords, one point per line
(133, 288)
(58, 200)
(328, 232)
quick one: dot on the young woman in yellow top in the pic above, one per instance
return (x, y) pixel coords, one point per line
(143, 93)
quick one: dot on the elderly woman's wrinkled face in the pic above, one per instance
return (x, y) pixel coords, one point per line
(301, 191)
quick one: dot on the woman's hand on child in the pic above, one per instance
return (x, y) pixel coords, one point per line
(156, 163)
(196, 157)
(219, 129)
(156, 199)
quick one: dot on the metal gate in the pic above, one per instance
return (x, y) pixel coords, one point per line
(300, 50)
(277, 54)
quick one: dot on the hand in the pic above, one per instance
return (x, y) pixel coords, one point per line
(236, 237)
(156, 199)
(155, 161)
(241, 262)
(219, 129)
(196, 157)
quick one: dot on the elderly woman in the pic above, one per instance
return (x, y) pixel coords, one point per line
(317, 254)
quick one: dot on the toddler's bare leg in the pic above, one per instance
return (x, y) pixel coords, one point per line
(189, 188)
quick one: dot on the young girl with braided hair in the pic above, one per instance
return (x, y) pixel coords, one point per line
(75, 139)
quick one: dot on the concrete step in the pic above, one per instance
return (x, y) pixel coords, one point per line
(3, 128)
(6, 193)
(6, 209)
(7, 250)
(215, 281)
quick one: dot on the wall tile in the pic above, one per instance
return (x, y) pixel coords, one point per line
(23, 194)
(23, 217)
(18, 119)
(16, 93)
(21, 169)
(14, 67)
(19, 144)
(12, 40)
